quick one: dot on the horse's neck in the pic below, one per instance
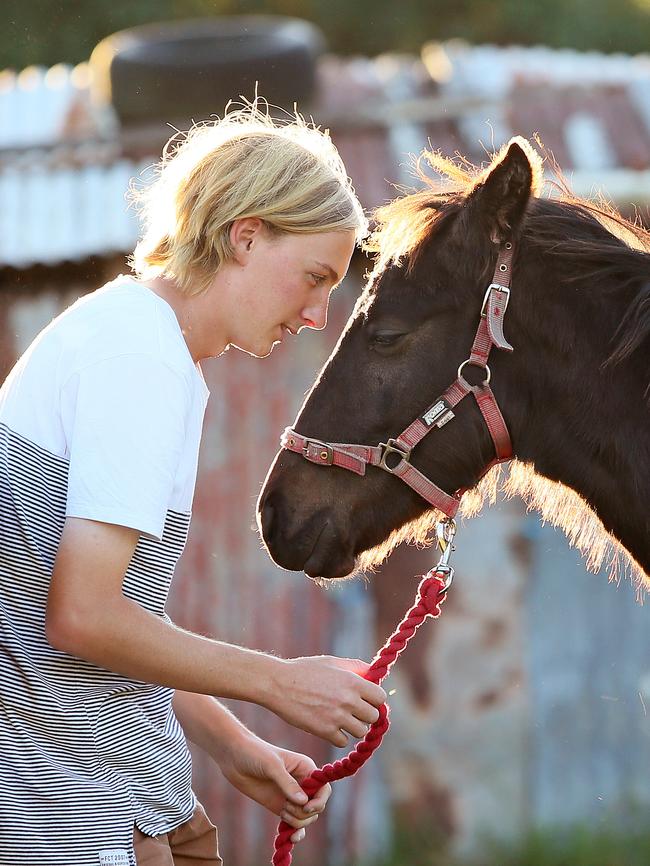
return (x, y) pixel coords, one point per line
(590, 430)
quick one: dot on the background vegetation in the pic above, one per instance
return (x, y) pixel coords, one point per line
(608, 844)
(52, 31)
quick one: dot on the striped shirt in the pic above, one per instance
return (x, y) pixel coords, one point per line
(100, 418)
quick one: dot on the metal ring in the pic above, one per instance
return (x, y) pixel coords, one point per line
(449, 572)
(485, 381)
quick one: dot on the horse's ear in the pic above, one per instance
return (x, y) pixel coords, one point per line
(500, 196)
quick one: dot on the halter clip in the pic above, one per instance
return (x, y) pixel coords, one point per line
(445, 533)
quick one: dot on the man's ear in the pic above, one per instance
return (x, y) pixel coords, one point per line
(243, 234)
(499, 198)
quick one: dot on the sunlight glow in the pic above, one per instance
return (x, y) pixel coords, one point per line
(555, 503)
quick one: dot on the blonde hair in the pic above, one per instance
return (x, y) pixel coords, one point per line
(287, 173)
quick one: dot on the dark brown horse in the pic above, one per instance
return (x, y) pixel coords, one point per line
(573, 393)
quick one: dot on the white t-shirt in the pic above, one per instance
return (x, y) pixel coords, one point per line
(100, 418)
(110, 385)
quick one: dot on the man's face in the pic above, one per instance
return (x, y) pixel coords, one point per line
(284, 285)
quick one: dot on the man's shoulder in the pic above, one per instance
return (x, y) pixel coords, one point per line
(119, 319)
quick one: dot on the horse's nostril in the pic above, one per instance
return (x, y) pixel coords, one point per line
(267, 514)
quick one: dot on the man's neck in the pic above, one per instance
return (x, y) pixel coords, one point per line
(194, 317)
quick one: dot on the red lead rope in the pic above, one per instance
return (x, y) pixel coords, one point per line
(431, 594)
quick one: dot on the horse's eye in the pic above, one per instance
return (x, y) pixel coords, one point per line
(385, 338)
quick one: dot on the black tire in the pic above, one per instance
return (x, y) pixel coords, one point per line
(190, 69)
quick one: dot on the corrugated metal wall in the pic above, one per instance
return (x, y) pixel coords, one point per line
(588, 654)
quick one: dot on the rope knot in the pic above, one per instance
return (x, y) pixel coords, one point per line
(431, 592)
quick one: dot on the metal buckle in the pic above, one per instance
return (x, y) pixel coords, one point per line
(391, 447)
(499, 288)
(325, 455)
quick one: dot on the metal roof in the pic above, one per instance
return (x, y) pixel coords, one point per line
(52, 215)
(64, 169)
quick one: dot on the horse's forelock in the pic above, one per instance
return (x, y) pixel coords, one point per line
(402, 225)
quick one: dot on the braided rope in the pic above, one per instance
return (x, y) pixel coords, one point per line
(431, 593)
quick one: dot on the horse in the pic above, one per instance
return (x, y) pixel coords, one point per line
(569, 374)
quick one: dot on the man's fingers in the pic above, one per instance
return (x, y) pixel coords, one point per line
(374, 694)
(356, 724)
(295, 811)
(319, 801)
(337, 738)
(357, 666)
(299, 814)
(297, 823)
(356, 728)
(287, 784)
(298, 836)
(366, 713)
(371, 692)
(313, 807)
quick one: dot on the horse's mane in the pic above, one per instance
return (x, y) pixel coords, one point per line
(403, 226)
(556, 504)
(401, 231)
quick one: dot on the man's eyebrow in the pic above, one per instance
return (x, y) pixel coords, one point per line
(330, 271)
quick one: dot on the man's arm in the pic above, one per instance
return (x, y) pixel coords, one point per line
(88, 616)
(208, 723)
(266, 773)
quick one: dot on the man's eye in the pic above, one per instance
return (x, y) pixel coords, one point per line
(318, 278)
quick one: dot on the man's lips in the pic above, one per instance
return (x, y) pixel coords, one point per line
(283, 329)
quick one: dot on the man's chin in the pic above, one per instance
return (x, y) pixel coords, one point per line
(260, 351)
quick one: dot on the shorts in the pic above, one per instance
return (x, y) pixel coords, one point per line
(194, 843)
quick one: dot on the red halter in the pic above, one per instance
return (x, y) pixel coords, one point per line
(440, 412)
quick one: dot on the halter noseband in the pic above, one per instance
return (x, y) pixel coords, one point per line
(394, 456)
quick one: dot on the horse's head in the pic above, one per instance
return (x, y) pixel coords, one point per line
(411, 328)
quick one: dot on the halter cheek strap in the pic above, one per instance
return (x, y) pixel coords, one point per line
(394, 456)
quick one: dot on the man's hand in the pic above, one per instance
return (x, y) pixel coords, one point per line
(326, 696)
(270, 775)
(266, 773)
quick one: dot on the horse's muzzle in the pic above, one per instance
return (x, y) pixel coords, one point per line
(312, 545)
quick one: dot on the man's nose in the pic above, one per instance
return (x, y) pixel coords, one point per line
(315, 316)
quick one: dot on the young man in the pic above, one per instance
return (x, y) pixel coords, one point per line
(247, 229)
